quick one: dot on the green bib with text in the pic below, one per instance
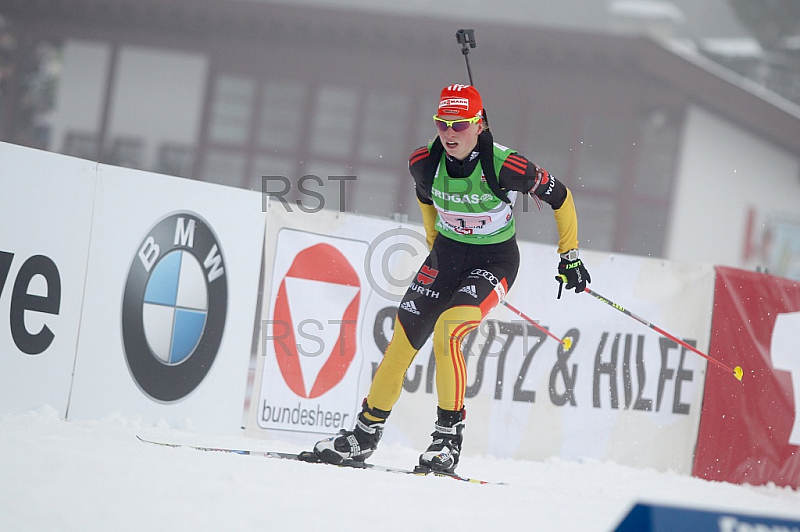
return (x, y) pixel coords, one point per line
(467, 209)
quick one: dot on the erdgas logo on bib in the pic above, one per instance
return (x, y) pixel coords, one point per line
(473, 199)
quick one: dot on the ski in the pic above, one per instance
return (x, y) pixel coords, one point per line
(310, 457)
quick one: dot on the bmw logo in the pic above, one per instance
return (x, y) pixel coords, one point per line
(174, 307)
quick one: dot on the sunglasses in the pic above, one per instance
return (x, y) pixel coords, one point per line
(458, 125)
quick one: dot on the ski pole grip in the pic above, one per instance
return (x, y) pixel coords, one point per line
(561, 280)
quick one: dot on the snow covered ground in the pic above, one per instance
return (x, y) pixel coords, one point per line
(82, 475)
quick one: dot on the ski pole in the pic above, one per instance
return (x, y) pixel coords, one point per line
(466, 38)
(736, 371)
(566, 342)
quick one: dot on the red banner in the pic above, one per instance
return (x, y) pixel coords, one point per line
(748, 430)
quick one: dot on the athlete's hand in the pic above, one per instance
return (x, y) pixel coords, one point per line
(574, 274)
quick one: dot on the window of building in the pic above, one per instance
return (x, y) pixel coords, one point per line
(597, 222)
(80, 144)
(226, 167)
(657, 142)
(337, 193)
(127, 152)
(380, 192)
(281, 175)
(549, 141)
(283, 111)
(423, 126)
(603, 145)
(646, 230)
(534, 225)
(175, 159)
(644, 227)
(231, 110)
(386, 119)
(333, 127)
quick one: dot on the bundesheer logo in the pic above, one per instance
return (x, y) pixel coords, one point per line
(174, 307)
(313, 361)
(320, 282)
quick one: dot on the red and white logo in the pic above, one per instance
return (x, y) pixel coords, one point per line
(427, 275)
(461, 103)
(314, 320)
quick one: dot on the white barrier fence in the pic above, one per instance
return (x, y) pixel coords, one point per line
(622, 392)
(129, 292)
(46, 207)
(147, 285)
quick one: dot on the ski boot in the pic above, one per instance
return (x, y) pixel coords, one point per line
(442, 455)
(357, 444)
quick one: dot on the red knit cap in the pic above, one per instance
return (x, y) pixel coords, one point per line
(460, 101)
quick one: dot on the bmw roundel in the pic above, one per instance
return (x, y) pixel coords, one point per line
(174, 307)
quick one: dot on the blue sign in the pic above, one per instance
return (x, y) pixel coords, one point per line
(653, 518)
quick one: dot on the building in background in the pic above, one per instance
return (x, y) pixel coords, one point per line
(670, 154)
